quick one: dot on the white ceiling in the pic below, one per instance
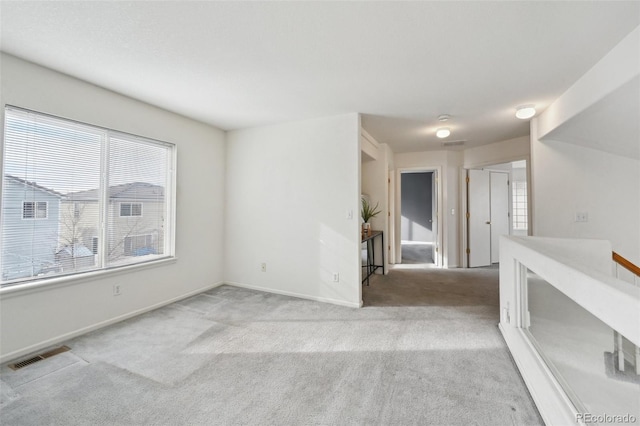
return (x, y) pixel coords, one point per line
(401, 64)
(611, 124)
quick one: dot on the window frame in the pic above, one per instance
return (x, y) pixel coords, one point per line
(104, 266)
(35, 210)
(131, 204)
(520, 212)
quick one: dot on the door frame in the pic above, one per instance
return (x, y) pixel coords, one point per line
(464, 197)
(391, 180)
(397, 243)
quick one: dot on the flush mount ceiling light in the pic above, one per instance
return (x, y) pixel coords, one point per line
(443, 132)
(525, 112)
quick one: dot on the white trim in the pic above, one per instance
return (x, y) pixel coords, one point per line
(106, 135)
(298, 295)
(552, 402)
(369, 138)
(495, 161)
(437, 170)
(63, 337)
(462, 215)
(41, 284)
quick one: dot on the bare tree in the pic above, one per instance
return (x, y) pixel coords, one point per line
(71, 228)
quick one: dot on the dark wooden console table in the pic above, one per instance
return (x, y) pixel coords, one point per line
(370, 265)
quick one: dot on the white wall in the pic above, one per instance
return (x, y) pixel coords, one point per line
(452, 210)
(374, 183)
(497, 152)
(289, 189)
(615, 69)
(34, 319)
(570, 179)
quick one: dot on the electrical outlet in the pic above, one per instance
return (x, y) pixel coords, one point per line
(582, 217)
(336, 277)
(263, 267)
(117, 291)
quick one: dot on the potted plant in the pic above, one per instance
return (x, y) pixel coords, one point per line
(367, 213)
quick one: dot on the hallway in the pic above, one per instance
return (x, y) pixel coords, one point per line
(474, 287)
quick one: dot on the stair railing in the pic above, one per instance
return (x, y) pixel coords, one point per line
(621, 261)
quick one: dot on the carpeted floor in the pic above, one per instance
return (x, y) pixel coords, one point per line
(413, 253)
(424, 350)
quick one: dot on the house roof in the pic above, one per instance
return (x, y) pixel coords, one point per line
(77, 250)
(33, 185)
(127, 191)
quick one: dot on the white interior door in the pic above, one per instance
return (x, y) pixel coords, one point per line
(499, 201)
(479, 217)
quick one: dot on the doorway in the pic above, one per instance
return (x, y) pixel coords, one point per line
(418, 219)
(497, 204)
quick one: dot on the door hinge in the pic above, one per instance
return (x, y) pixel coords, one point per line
(468, 251)
(436, 249)
(467, 179)
(507, 182)
(468, 215)
(389, 214)
(388, 180)
(389, 248)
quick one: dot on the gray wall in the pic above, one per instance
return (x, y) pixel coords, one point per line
(416, 199)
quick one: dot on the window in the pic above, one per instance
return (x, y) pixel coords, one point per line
(94, 245)
(34, 209)
(88, 187)
(130, 209)
(139, 245)
(520, 206)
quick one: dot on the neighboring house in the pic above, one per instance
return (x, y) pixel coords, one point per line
(135, 223)
(75, 257)
(30, 212)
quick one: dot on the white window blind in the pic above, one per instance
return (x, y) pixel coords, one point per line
(64, 190)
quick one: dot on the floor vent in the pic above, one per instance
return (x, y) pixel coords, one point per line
(40, 357)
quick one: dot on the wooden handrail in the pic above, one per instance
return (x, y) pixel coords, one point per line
(626, 263)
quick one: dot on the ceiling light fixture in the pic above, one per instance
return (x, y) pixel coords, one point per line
(444, 117)
(443, 132)
(525, 112)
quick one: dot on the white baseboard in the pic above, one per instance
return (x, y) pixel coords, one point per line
(298, 295)
(84, 330)
(550, 399)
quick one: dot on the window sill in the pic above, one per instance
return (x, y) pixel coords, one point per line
(56, 282)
